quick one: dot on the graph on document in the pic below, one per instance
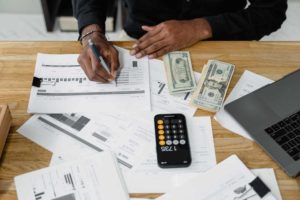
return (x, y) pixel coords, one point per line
(130, 74)
(58, 79)
(73, 120)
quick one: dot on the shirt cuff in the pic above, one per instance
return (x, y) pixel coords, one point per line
(219, 27)
(91, 18)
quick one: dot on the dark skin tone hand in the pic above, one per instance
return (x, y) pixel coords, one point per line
(160, 39)
(90, 64)
(170, 36)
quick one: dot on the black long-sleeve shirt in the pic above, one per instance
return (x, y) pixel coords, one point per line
(229, 19)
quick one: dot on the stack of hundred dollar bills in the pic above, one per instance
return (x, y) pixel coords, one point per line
(213, 84)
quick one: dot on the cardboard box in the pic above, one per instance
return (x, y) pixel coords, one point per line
(5, 122)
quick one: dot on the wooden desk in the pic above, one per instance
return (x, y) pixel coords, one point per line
(17, 61)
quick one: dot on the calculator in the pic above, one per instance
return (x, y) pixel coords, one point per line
(172, 144)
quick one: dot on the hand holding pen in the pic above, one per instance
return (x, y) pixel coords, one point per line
(97, 54)
(97, 69)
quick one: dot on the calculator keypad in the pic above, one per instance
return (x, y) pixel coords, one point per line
(171, 132)
(172, 145)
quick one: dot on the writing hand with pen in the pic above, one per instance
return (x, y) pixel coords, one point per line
(99, 58)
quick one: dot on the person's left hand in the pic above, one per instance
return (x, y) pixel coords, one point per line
(170, 36)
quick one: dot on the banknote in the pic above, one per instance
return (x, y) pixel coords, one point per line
(179, 72)
(212, 87)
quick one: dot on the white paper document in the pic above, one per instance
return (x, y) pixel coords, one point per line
(147, 177)
(202, 149)
(96, 177)
(74, 136)
(65, 88)
(128, 138)
(248, 83)
(158, 180)
(229, 180)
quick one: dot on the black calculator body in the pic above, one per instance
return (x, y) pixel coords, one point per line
(172, 144)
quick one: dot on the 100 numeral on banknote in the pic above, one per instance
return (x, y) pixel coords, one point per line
(212, 87)
(179, 72)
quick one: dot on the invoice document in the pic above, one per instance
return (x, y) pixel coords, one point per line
(248, 83)
(64, 87)
(229, 180)
(96, 177)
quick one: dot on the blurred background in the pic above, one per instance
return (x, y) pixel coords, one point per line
(46, 20)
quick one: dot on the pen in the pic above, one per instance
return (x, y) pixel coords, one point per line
(99, 57)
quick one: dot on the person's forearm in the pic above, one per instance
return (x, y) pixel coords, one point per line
(202, 28)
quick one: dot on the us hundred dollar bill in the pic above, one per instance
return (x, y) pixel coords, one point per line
(179, 72)
(212, 87)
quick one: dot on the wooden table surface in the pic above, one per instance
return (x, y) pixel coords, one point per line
(17, 61)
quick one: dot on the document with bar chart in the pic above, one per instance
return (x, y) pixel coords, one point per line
(96, 177)
(61, 86)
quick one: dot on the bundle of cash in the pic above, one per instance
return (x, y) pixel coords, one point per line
(179, 72)
(212, 87)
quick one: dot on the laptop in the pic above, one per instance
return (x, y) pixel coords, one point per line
(271, 115)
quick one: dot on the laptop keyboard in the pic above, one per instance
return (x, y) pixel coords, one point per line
(287, 134)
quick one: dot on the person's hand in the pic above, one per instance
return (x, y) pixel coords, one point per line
(170, 36)
(90, 64)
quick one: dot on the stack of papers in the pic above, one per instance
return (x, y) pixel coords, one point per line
(96, 177)
(145, 176)
(132, 140)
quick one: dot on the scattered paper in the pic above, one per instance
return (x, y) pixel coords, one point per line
(202, 148)
(159, 180)
(147, 177)
(248, 83)
(229, 180)
(65, 88)
(94, 178)
(127, 137)
(130, 136)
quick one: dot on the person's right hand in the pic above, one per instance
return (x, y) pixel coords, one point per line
(90, 64)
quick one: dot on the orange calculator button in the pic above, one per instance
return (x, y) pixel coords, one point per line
(160, 132)
(160, 121)
(161, 137)
(160, 127)
(162, 143)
